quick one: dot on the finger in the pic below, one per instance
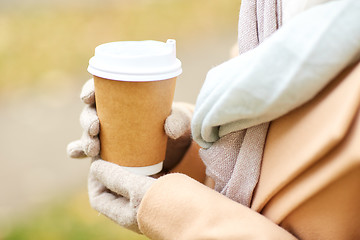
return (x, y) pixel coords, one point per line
(179, 121)
(89, 120)
(90, 145)
(99, 194)
(95, 187)
(75, 150)
(118, 180)
(111, 176)
(110, 204)
(87, 94)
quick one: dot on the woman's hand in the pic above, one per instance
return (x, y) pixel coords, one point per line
(177, 128)
(117, 193)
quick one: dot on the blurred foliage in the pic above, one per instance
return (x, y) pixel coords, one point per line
(43, 43)
(72, 218)
(39, 43)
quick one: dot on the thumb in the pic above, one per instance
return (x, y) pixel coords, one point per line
(179, 121)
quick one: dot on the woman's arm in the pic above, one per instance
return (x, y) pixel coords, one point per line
(178, 207)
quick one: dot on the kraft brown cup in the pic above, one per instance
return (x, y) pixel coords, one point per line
(132, 117)
(134, 90)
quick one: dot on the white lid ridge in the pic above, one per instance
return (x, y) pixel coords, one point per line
(136, 60)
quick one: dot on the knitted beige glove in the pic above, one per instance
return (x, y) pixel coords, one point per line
(117, 193)
(89, 144)
(177, 128)
(113, 191)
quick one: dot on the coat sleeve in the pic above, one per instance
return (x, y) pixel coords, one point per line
(178, 207)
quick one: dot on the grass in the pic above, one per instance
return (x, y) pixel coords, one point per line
(43, 43)
(71, 218)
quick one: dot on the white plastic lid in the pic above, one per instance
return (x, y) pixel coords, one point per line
(136, 61)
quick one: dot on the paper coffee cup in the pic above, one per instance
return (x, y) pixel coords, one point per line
(134, 89)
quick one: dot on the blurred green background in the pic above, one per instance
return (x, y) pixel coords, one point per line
(44, 51)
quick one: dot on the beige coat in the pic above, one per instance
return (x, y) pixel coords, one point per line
(309, 186)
